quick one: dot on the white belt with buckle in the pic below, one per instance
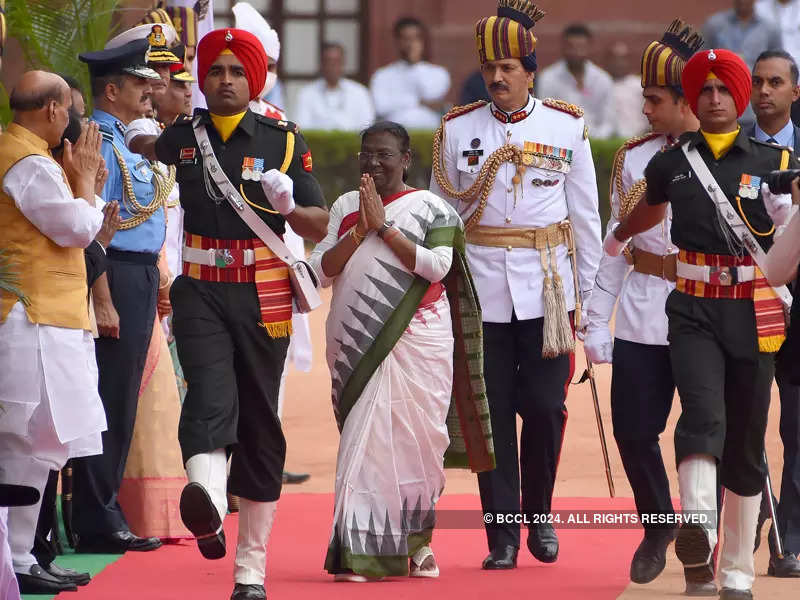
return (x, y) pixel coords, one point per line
(216, 257)
(716, 275)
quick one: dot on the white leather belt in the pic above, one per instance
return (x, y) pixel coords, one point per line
(716, 275)
(218, 257)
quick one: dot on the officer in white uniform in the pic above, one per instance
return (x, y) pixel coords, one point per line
(533, 244)
(642, 386)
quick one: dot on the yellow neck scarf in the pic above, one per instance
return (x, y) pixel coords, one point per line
(226, 125)
(720, 143)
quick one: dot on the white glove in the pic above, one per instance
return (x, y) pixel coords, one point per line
(779, 206)
(278, 188)
(140, 127)
(598, 345)
(612, 246)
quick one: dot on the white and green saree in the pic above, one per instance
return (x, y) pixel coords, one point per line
(406, 364)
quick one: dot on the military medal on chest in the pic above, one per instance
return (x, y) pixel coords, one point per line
(252, 168)
(547, 157)
(749, 186)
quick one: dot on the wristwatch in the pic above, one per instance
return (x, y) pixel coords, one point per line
(384, 228)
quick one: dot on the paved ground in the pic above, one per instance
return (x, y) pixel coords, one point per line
(313, 439)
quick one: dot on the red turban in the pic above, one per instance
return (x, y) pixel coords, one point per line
(726, 65)
(244, 45)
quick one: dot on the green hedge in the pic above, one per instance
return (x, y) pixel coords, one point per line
(336, 166)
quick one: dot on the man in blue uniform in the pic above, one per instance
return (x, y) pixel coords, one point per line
(124, 297)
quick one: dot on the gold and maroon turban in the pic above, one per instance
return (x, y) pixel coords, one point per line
(509, 34)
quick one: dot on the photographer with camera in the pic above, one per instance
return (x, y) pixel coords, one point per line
(775, 77)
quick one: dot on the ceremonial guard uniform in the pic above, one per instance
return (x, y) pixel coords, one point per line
(232, 310)
(133, 281)
(524, 183)
(642, 386)
(724, 324)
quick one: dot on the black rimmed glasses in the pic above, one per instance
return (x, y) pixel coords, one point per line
(381, 156)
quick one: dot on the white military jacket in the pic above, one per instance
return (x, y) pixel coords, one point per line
(509, 280)
(641, 298)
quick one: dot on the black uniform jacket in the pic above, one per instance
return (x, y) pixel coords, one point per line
(258, 144)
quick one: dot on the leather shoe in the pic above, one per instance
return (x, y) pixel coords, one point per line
(70, 575)
(649, 559)
(731, 594)
(504, 557)
(700, 581)
(242, 591)
(788, 566)
(118, 542)
(295, 477)
(200, 516)
(543, 543)
(39, 581)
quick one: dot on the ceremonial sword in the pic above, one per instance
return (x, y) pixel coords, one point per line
(772, 510)
(589, 374)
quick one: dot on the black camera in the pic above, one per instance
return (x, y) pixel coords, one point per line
(780, 182)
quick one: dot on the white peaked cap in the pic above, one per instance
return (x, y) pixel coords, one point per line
(249, 19)
(140, 32)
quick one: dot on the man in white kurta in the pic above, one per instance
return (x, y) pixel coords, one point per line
(578, 80)
(533, 236)
(332, 101)
(51, 410)
(410, 91)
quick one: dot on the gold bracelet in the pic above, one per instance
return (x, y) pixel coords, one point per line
(357, 237)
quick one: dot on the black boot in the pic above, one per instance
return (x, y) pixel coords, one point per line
(242, 591)
(504, 557)
(650, 558)
(543, 543)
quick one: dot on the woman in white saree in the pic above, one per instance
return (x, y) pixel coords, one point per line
(404, 350)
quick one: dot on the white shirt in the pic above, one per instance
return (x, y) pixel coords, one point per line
(398, 88)
(628, 119)
(557, 82)
(787, 18)
(34, 357)
(346, 107)
(640, 298)
(512, 281)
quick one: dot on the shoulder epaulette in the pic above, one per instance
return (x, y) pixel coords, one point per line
(183, 120)
(279, 124)
(770, 145)
(640, 139)
(457, 111)
(570, 109)
(106, 132)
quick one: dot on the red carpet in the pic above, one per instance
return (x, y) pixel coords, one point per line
(593, 563)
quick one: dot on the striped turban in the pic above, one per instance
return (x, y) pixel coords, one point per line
(184, 19)
(509, 35)
(663, 61)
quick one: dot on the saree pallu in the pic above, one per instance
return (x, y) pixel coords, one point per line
(154, 476)
(407, 388)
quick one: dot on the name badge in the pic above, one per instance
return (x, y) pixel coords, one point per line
(472, 156)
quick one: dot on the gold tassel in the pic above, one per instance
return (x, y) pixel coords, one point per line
(566, 342)
(550, 327)
(280, 329)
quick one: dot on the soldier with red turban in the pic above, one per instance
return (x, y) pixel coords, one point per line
(725, 321)
(232, 306)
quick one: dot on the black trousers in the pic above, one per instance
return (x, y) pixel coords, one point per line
(642, 389)
(45, 543)
(133, 281)
(789, 506)
(233, 373)
(724, 385)
(520, 382)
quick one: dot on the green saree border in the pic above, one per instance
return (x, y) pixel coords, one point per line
(392, 330)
